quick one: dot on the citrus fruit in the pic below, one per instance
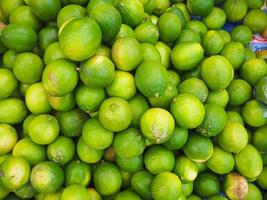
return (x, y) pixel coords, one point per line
(242, 34)
(130, 165)
(32, 152)
(256, 25)
(8, 83)
(48, 35)
(103, 50)
(220, 97)
(178, 12)
(193, 197)
(260, 90)
(262, 178)
(253, 114)
(151, 78)
(123, 85)
(157, 125)
(207, 184)
(80, 38)
(187, 110)
(52, 52)
(233, 138)
(43, 123)
(253, 192)
(126, 53)
(127, 194)
(234, 116)
(196, 87)
(197, 26)
(140, 183)
(249, 169)
(111, 185)
(260, 139)
(129, 143)
(26, 123)
(71, 122)
(185, 169)
(249, 54)
(37, 100)
(115, 114)
(87, 154)
(25, 192)
(3, 192)
(198, 148)
(215, 19)
(221, 162)
(235, 10)
(167, 186)
(150, 52)
(235, 54)
(74, 192)
(93, 3)
(161, 6)
(159, 159)
(187, 188)
(214, 121)
(150, 6)
(212, 42)
(188, 35)
(177, 140)
(15, 172)
(217, 72)
(108, 18)
(9, 58)
(164, 51)
(63, 103)
(125, 31)
(181, 55)
(8, 7)
(225, 36)
(132, 11)
(13, 111)
(9, 138)
(199, 7)
(94, 195)
(147, 32)
(235, 186)
(174, 77)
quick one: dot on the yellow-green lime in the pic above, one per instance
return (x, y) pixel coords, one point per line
(215, 19)
(177, 140)
(8, 138)
(256, 20)
(188, 35)
(63, 103)
(73, 192)
(127, 194)
(140, 183)
(130, 165)
(235, 10)
(197, 26)
(147, 32)
(212, 42)
(164, 51)
(220, 97)
(260, 139)
(242, 34)
(262, 181)
(8, 83)
(199, 7)
(150, 52)
(53, 52)
(253, 192)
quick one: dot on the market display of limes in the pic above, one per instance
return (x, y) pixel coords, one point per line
(133, 100)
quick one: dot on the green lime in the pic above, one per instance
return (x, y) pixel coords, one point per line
(159, 159)
(140, 183)
(126, 53)
(87, 154)
(125, 31)
(138, 106)
(94, 195)
(193, 73)
(32, 152)
(201, 166)
(57, 84)
(19, 37)
(253, 114)
(150, 6)
(151, 78)
(185, 169)
(260, 139)
(200, 7)
(187, 188)
(71, 122)
(8, 6)
(212, 42)
(220, 97)
(108, 18)
(262, 180)
(235, 10)
(164, 51)
(150, 52)
(174, 77)
(53, 52)
(13, 111)
(214, 121)
(255, 3)
(197, 26)
(112, 184)
(3, 192)
(95, 135)
(147, 32)
(161, 6)
(253, 70)
(82, 34)
(256, 20)
(115, 114)
(233, 138)
(166, 186)
(8, 138)
(235, 186)
(217, 72)
(15, 172)
(26, 123)
(103, 50)
(178, 12)
(188, 35)
(217, 197)
(249, 170)
(234, 116)
(132, 11)
(187, 110)
(8, 83)
(129, 143)
(221, 162)
(94, 3)
(215, 19)
(77, 172)
(157, 125)
(25, 192)
(68, 12)
(253, 192)
(198, 148)
(9, 58)
(260, 90)
(130, 165)
(36, 99)
(239, 92)
(44, 123)
(235, 54)
(249, 54)
(177, 140)
(193, 197)
(74, 192)
(127, 194)
(196, 87)
(225, 35)
(48, 35)
(242, 34)
(182, 54)
(123, 85)
(126, 179)
(207, 184)
(23, 87)
(63, 103)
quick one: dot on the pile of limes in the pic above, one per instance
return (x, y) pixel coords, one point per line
(132, 100)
